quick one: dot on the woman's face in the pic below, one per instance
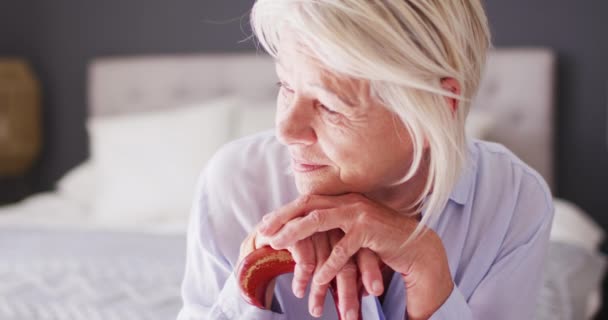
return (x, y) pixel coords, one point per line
(340, 139)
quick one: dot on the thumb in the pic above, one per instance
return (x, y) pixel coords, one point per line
(247, 246)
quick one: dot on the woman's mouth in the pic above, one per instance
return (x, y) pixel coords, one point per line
(305, 167)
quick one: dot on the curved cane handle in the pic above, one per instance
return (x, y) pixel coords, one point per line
(263, 265)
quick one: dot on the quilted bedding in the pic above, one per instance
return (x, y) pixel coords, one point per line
(52, 274)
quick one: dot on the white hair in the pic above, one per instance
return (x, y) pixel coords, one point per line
(404, 48)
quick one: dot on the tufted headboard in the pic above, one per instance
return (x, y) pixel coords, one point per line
(517, 88)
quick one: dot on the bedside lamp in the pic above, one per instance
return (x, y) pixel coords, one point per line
(20, 132)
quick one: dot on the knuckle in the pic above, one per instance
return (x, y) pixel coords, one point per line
(350, 300)
(318, 290)
(349, 270)
(317, 217)
(333, 266)
(361, 215)
(302, 272)
(359, 205)
(339, 252)
(307, 267)
(300, 282)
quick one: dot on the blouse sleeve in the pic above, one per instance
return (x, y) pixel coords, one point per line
(209, 289)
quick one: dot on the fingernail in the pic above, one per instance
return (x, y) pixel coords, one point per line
(300, 293)
(317, 311)
(351, 315)
(377, 287)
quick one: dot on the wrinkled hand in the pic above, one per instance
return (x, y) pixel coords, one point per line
(310, 253)
(367, 225)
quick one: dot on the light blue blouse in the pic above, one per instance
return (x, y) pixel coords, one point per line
(495, 229)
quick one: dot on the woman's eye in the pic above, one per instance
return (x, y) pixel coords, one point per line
(327, 109)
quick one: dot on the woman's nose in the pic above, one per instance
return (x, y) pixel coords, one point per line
(294, 123)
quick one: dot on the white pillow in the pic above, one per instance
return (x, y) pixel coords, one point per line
(479, 124)
(148, 163)
(572, 225)
(78, 184)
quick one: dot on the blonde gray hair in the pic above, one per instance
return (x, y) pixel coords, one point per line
(404, 48)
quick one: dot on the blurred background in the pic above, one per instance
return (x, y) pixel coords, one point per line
(59, 41)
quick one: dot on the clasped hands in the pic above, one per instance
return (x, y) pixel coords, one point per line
(351, 238)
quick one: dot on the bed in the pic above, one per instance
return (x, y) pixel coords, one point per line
(108, 242)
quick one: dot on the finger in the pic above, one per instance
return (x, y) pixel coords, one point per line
(316, 299)
(303, 254)
(272, 222)
(318, 220)
(369, 267)
(247, 246)
(342, 251)
(286, 238)
(348, 290)
(261, 241)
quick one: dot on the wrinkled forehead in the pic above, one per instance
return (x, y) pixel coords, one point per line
(295, 62)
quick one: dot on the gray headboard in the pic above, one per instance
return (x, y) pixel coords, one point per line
(517, 88)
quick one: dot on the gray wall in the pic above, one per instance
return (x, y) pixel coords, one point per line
(61, 36)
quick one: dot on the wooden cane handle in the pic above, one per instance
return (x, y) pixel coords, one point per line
(260, 267)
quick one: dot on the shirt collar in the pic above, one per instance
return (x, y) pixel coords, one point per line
(464, 184)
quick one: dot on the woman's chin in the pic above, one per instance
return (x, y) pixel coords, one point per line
(318, 185)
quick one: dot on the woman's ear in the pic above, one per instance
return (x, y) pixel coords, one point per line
(450, 84)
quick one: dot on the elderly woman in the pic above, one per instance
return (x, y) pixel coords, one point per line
(369, 178)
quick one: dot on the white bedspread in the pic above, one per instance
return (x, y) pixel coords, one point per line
(50, 210)
(93, 275)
